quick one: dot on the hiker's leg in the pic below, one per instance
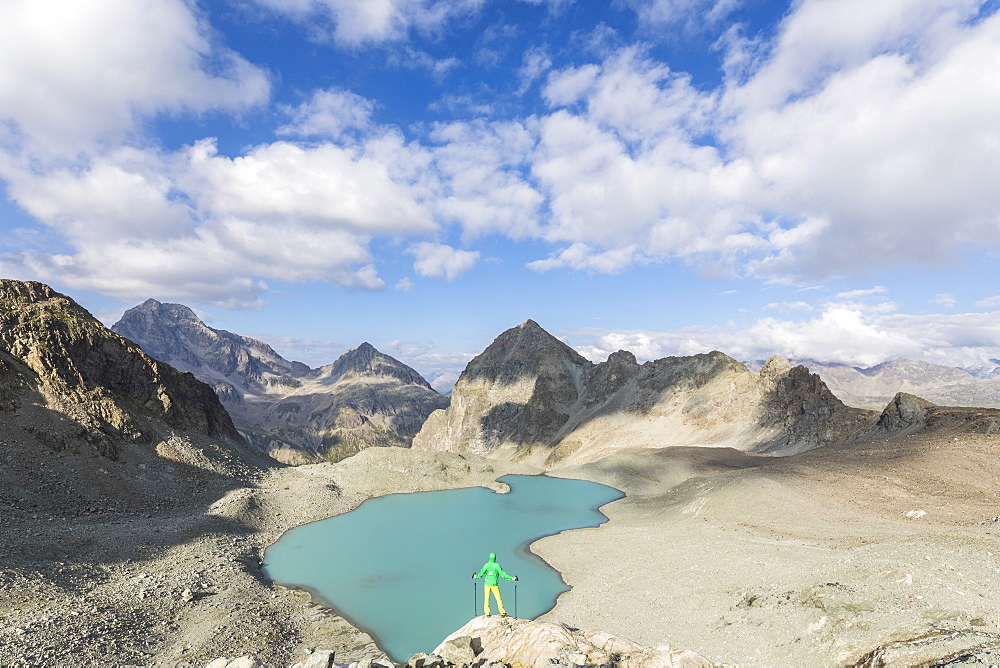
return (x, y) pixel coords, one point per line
(500, 603)
(486, 599)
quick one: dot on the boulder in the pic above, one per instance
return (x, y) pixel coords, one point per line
(458, 650)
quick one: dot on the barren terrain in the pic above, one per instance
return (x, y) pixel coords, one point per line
(182, 585)
(885, 550)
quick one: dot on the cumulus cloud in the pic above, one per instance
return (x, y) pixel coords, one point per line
(138, 222)
(483, 187)
(71, 74)
(441, 261)
(863, 136)
(838, 334)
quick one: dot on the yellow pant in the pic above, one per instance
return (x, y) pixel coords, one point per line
(486, 600)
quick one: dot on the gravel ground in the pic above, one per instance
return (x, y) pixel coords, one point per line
(181, 585)
(877, 553)
(880, 553)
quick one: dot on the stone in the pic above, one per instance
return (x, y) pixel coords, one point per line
(241, 662)
(458, 650)
(320, 658)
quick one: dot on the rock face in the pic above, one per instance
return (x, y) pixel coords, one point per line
(530, 397)
(511, 642)
(295, 413)
(71, 388)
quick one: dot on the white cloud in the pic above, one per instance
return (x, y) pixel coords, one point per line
(581, 256)
(692, 14)
(404, 285)
(72, 72)
(441, 261)
(881, 127)
(373, 21)
(483, 186)
(331, 114)
(536, 62)
(989, 302)
(325, 185)
(863, 136)
(865, 292)
(201, 226)
(838, 334)
(945, 300)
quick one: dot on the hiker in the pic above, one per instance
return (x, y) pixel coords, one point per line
(491, 574)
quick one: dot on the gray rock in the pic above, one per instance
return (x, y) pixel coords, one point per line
(458, 650)
(321, 658)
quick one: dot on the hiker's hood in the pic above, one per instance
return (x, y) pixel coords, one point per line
(493, 556)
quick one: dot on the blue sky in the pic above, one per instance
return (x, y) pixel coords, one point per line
(815, 178)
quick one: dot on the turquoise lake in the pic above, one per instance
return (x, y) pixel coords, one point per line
(400, 566)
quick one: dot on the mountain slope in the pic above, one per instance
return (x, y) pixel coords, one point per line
(75, 393)
(530, 397)
(297, 414)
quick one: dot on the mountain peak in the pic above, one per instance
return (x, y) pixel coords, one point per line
(366, 360)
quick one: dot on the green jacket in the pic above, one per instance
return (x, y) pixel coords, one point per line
(491, 572)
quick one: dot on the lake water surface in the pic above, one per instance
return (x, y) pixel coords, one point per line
(400, 566)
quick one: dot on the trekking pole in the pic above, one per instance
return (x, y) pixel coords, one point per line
(475, 591)
(515, 599)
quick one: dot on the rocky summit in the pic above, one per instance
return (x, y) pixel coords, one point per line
(530, 397)
(293, 412)
(86, 414)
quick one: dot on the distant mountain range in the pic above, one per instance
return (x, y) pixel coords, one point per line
(295, 413)
(530, 397)
(873, 387)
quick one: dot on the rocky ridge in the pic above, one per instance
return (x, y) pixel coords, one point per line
(69, 386)
(872, 387)
(295, 413)
(530, 397)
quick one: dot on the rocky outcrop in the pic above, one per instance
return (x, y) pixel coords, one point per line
(530, 397)
(905, 413)
(502, 642)
(87, 418)
(507, 641)
(87, 370)
(296, 414)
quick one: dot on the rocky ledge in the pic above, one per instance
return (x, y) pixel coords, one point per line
(503, 642)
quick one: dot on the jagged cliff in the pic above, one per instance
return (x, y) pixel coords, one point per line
(70, 388)
(297, 414)
(529, 396)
